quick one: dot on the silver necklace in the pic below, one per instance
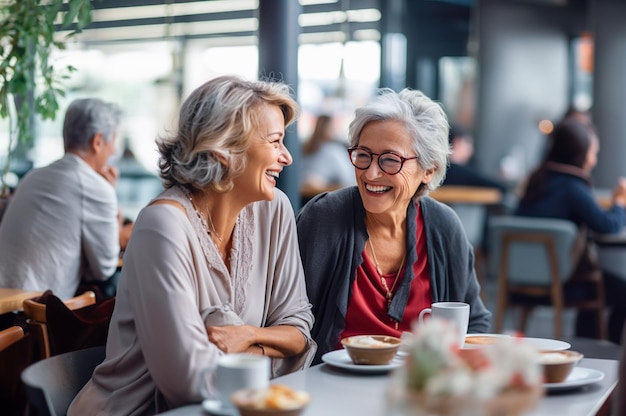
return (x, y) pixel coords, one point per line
(388, 292)
(208, 215)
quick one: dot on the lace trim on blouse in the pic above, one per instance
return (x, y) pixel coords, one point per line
(240, 255)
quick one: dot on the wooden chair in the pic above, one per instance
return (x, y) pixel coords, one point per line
(35, 311)
(51, 384)
(10, 336)
(16, 353)
(534, 260)
(70, 330)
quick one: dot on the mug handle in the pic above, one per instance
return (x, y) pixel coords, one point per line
(424, 312)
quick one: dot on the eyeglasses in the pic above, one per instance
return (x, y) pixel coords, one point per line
(389, 162)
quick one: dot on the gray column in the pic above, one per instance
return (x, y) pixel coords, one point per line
(609, 89)
(278, 60)
(393, 45)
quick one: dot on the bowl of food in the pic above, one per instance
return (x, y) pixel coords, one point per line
(557, 365)
(371, 349)
(276, 400)
(481, 340)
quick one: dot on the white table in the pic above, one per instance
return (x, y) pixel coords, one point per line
(337, 392)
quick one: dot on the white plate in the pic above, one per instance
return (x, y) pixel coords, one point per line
(579, 377)
(341, 359)
(545, 344)
(214, 407)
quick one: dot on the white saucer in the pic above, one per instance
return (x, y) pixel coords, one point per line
(341, 359)
(545, 344)
(215, 407)
(579, 377)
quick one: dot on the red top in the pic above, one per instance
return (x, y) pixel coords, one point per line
(367, 308)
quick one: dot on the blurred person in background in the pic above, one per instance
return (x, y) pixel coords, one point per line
(583, 116)
(212, 267)
(560, 187)
(62, 228)
(376, 254)
(460, 172)
(325, 165)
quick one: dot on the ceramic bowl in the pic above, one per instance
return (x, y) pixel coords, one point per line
(482, 340)
(277, 400)
(557, 365)
(371, 349)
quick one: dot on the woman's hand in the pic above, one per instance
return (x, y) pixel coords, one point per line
(232, 338)
(273, 341)
(619, 193)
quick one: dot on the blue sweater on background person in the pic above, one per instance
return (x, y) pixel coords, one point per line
(560, 187)
(569, 196)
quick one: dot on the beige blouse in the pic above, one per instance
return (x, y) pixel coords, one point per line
(174, 284)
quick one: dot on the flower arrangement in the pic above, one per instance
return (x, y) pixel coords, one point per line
(440, 378)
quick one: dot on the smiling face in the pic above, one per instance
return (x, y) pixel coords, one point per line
(381, 192)
(266, 156)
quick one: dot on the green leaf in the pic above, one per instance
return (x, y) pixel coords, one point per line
(71, 14)
(27, 34)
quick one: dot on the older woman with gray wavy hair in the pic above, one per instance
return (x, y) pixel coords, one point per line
(213, 264)
(376, 254)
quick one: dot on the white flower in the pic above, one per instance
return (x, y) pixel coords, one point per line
(435, 364)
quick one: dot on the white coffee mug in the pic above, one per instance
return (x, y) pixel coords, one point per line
(235, 372)
(457, 312)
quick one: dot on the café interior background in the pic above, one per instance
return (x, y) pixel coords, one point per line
(499, 67)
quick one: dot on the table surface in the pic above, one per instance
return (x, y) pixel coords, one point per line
(338, 392)
(452, 194)
(11, 299)
(615, 239)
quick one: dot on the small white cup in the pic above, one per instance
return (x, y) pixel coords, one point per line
(458, 312)
(235, 372)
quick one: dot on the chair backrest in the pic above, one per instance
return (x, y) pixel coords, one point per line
(528, 242)
(35, 308)
(35, 311)
(51, 384)
(473, 218)
(10, 335)
(16, 353)
(70, 330)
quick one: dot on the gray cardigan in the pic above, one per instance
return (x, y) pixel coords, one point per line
(332, 236)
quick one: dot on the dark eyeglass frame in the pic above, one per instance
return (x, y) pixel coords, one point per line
(351, 150)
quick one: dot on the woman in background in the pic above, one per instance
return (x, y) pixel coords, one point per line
(561, 188)
(324, 162)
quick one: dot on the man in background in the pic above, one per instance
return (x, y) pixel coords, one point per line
(62, 227)
(460, 172)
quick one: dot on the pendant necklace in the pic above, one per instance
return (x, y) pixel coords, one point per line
(208, 215)
(388, 292)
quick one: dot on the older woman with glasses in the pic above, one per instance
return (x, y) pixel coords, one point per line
(376, 254)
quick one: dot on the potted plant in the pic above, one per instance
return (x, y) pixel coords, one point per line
(29, 82)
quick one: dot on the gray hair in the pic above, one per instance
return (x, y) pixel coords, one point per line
(215, 125)
(87, 117)
(425, 121)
